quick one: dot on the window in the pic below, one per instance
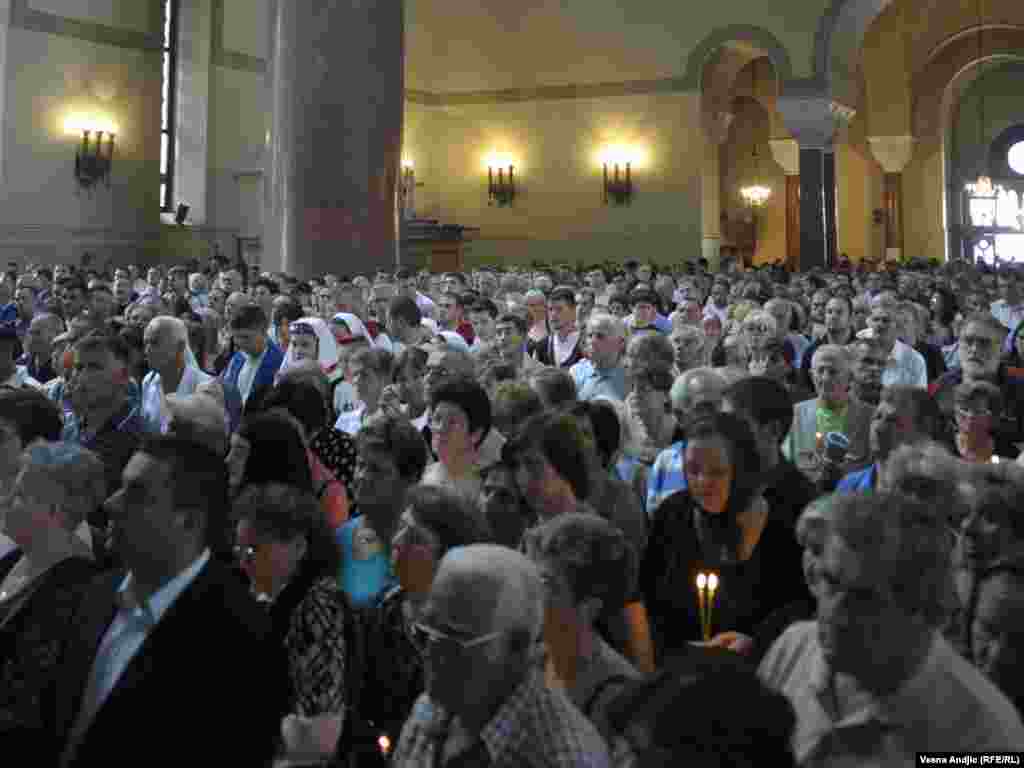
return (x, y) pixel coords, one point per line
(167, 100)
(1015, 158)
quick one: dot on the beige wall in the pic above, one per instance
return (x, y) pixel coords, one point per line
(43, 217)
(558, 214)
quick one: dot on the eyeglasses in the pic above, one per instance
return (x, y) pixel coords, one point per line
(244, 555)
(426, 638)
(437, 370)
(981, 343)
(446, 423)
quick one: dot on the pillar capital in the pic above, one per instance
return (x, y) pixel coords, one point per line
(787, 154)
(812, 115)
(892, 152)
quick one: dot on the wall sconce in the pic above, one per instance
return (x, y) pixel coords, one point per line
(501, 189)
(94, 157)
(618, 190)
(617, 164)
(407, 190)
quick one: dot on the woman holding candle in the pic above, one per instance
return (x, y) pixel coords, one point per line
(719, 527)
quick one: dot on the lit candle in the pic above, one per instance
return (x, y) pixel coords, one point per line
(627, 174)
(702, 585)
(490, 176)
(85, 141)
(385, 744)
(616, 173)
(995, 459)
(712, 588)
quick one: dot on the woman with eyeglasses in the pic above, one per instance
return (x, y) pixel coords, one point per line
(460, 420)
(289, 554)
(434, 521)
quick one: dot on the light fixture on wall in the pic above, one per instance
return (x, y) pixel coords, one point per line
(94, 157)
(755, 195)
(501, 179)
(617, 165)
(982, 186)
(407, 190)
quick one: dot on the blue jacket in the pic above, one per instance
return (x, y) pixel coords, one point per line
(263, 380)
(859, 481)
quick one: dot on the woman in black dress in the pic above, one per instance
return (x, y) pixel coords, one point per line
(720, 525)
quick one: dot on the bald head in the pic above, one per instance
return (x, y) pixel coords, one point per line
(486, 588)
(697, 387)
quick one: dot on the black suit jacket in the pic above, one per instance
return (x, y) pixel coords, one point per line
(207, 687)
(546, 352)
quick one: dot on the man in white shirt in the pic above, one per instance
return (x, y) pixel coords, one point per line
(1009, 310)
(718, 302)
(905, 365)
(121, 682)
(174, 370)
(873, 681)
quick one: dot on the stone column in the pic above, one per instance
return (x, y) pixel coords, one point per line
(336, 86)
(716, 131)
(829, 204)
(892, 153)
(813, 117)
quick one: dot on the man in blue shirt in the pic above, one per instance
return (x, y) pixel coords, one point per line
(601, 374)
(905, 415)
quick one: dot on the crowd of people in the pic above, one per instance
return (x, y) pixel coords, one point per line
(631, 515)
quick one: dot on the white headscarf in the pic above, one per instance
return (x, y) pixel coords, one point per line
(327, 347)
(355, 326)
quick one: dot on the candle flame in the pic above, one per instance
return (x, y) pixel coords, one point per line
(702, 581)
(712, 582)
(384, 743)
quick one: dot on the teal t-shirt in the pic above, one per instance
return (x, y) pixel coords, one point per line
(365, 563)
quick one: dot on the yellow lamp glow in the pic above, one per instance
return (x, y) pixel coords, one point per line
(77, 123)
(407, 164)
(494, 160)
(611, 155)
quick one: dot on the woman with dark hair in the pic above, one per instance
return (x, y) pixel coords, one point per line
(612, 499)
(291, 558)
(332, 449)
(944, 310)
(271, 448)
(434, 521)
(720, 525)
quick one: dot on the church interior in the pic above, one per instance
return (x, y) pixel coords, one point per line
(309, 136)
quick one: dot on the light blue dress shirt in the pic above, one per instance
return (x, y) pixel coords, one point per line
(123, 639)
(155, 418)
(592, 381)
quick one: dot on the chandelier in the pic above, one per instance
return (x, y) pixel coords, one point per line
(755, 195)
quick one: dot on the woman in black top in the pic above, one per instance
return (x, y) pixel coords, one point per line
(720, 525)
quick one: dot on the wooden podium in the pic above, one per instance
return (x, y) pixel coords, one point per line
(428, 244)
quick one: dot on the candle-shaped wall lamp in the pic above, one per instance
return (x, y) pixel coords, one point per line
(501, 179)
(94, 157)
(407, 190)
(618, 163)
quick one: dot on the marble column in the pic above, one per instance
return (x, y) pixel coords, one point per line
(892, 153)
(716, 131)
(812, 116)
(336, 87)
